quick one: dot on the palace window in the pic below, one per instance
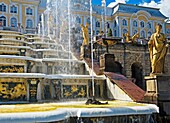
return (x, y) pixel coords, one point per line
(115, 23)
(97, 32)
(78, 19)
(97, 24)
(3, 7)
(135, 23)
(149, 34)
(108, 25)
(29, 11)
(2, 21)
(125, 31)
(149, 25)
(29, 23)
(13, 9)
(124, 22)
(142, 24)
(135, 31)
(88, 20)
(13, 22)
(168, 31)
(143, 34)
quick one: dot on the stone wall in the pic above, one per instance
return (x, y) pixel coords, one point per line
(127, 54)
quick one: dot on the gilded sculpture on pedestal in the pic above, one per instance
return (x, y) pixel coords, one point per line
(132, 39)
(158, 49)
(135, 37)
(128, 37)
(85, 34)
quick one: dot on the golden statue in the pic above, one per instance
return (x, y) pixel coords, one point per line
(158, 49)
(135, 37)
(85, 34)
(127, 37)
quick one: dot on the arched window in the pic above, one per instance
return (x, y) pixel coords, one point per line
(2, 21)
(13, 22)
(135, 23)
(13, 9)
(88, 20)
(115, 23)
(78, 19)
(29, 23)
(97, 24)
(97, 32)
(143, 34)
(29, 11)
(134, 32)
(108, 25)
(124, 22)
(125, 31)
(168, 31)
(142, 24)
(3, 7)
(149, 25)
(149, 34)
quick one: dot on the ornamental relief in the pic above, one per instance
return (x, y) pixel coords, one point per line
(13, 90)
(11, 69)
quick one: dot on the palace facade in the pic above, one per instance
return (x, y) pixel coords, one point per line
(24, 13)
(121, 18)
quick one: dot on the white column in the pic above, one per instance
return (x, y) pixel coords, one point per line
(119, 27)
(20, 14)
(131, 25)
(36, 16)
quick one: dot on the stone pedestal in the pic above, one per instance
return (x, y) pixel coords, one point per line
(158, 92)
(85, 52)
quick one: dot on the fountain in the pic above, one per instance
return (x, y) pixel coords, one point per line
(45, 70)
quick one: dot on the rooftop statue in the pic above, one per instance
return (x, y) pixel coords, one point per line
(158, 49)
(85, 34)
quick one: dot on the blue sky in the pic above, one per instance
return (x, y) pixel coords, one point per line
(163, 5)
(98, 2)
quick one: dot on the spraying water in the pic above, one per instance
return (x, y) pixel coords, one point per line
(42, 23)
(104, 17)
(91, 38)
(69, 31)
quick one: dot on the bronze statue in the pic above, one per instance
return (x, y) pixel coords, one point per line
(85, 34)
(158, 49)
